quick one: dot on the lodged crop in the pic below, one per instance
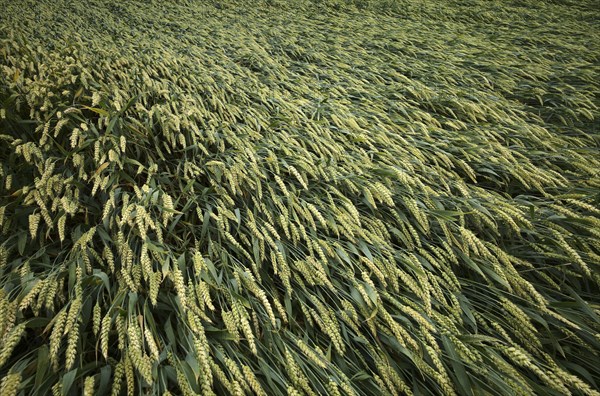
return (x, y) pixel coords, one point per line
(301, 198)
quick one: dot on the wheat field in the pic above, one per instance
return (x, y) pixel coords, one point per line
(273, 197)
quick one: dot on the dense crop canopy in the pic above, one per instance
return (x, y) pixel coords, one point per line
(272, 197)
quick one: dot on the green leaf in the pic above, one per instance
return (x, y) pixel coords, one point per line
(97, 110)
(111, 124)
(365, 249)
(103, 278)
(361, 376)
(371, 293)
(67, 381)
(21, 243)
(105, 380)
(343, 255)
(42, 365)
(457, 366)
